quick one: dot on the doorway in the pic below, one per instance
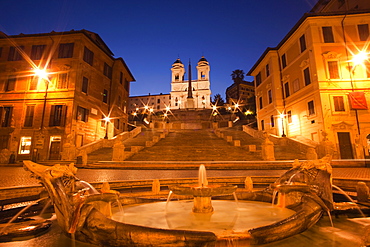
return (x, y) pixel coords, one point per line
(54, 151)
(345, 145)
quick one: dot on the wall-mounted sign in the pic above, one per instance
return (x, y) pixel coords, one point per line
(357, 100)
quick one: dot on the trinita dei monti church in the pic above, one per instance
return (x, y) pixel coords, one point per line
(199, 97)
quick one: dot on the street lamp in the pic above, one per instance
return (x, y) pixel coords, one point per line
(43, 75)
(107, 120)
(282, 124)
(360, 58)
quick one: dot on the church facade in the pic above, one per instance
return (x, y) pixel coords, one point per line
(200, 95)
(178, 98)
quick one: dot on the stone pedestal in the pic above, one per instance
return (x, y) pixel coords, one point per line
(190, 103)
(118, 152)
(311, 154)
(202, 205)
(69, 151)
(268, 152)
(363, 194)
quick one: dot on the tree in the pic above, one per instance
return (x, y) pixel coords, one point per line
(218, 100)
(237, 75)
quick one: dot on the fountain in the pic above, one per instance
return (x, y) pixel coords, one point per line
(203, 192)
(305, 191)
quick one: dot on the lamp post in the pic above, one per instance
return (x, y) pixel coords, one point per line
(43, 75)
(282, 125)
(106, 119)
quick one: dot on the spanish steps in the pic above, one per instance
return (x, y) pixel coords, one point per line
(195, 145)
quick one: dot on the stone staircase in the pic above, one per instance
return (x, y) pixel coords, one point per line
(193, 145)
(223, 144)
(138, 142)
(282, 152)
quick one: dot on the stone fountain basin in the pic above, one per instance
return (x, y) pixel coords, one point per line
(203, 191)
(286, 188)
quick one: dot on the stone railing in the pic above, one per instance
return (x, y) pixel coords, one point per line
(253, 132)
(102, 143)
(301, 143)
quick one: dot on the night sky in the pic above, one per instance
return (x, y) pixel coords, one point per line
(150, 35)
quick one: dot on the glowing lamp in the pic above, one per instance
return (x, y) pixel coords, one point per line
(41, 73)
(360, 58)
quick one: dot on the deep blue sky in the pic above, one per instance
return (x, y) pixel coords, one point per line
(150, 35)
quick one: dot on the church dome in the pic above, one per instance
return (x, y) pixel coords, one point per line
(202, 59)
(178, 61)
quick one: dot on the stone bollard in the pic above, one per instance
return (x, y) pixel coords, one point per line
(4, 156)
(118, 152)
(311, 154)
(156, 186)
(248, 184)
(149, 144)
(252, 148)
(69, 151)
(230, 124)
(237, 143)
(363, 194)
(83, 155)
(155, 139)
(268, 152)
(136, 149)
(229, 138)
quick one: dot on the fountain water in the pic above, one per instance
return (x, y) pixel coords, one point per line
(305, 205)
(203, 192)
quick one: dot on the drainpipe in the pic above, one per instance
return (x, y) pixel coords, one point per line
(282, 92)
(351, 80)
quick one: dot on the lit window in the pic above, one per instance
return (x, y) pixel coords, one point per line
(269, 95)
(105, 96)
(267, 70)
(25, 145)
(261, 102)
(88, 56)
(333, 69)
(286, 89)
(14, 53)
(5, 116)
(82, 114)
(328, 34)
(107, 71)
(311, 108)
(338, 103)
(283, 61)
(272, 121)
(62, 81)
(28, 120)
(363, 32)
(37, 52)
(66, 50)
(302, 42)
(289, 115)
(258, 79)
(58, 115)
(85, 84)
(10, 84)
(307, 77)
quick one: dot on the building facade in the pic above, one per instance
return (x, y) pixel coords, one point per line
(239, 92)
(59, 88)
(316, 83)
(157, 102)
(201, 91)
